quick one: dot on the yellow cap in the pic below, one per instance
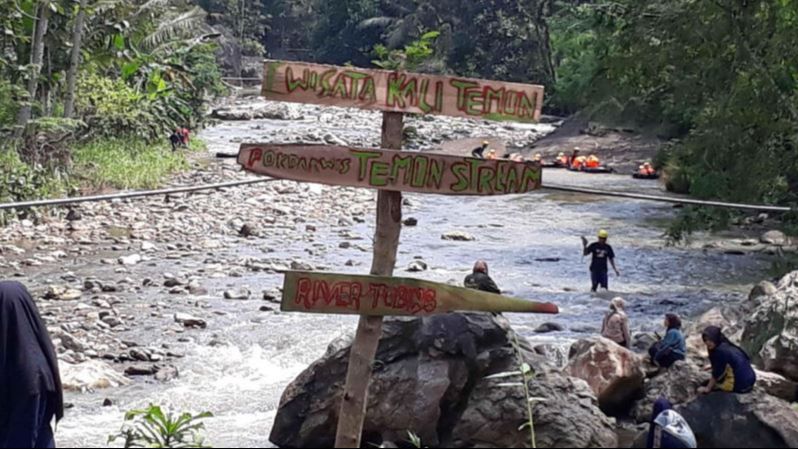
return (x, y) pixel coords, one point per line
(603, 234)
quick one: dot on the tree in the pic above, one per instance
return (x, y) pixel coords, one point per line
(44, 8)
(74, 60)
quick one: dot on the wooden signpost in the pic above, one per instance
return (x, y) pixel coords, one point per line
(300, 82)
(378, 296)
(392, 172)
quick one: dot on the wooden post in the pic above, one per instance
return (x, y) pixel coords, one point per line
(369, 329)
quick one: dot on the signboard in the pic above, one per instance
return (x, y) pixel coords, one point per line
(300, 82)
(377, 296)
(391, 170)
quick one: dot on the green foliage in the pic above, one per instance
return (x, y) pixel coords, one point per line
(337, 36)
(126, 163)
(722, 76)
(153, 428)
(22, 182)
(411, 57)
(111, 108)
(525, 374)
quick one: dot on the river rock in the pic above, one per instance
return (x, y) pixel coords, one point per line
(642, 342)
(71, 343)
(61, 293)
(771, 332)
(133, 259)
(242, 293)
(166, 373)
(190, 321)
(679, 384)
(722, 420)
(91, 375)
(430, 379)
(774, 238)
(761, 290)
(410, 222)
(778, 386)
(458, 236)
(140, 370)
(614, 373)
(546, 328)
(417, 266)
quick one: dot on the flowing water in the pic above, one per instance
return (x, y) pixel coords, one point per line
(240, 371)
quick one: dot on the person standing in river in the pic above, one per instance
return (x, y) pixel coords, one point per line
(601, 253)
(616, 324)
(480, 280)
(30, 384)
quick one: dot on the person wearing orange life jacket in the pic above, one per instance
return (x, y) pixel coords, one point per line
(647, 170)
(579, 163)
(592, 161)
(562, 160)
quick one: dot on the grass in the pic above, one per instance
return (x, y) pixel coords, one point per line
(127, 163)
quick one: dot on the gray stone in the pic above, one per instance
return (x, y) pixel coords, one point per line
(190, 321)
(722, 420)
(774, 238)
(133, 259)
(425, 368)
(458, 236)
(546, 328)
(242, 293)
(417, 266)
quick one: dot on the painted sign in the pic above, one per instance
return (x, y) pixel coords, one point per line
(377, 296)
(401, 92)
(391, 170)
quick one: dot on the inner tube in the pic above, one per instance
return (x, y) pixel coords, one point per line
(595, 170)
(642, 176)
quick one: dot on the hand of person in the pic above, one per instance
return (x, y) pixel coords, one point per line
(584, 241)
(617, 272)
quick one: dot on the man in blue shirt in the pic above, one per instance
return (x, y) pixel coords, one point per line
(601, 252)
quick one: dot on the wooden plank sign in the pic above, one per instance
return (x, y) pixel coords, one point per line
(377, 295)
(300, 82)
(391, 170)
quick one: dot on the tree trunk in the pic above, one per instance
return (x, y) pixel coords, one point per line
(36, 60)
(74, 60)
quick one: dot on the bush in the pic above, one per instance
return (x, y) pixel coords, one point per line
(112, 108)
(21, 182)
(126, 163)
(155, 429)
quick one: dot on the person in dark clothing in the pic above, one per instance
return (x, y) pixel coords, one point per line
(731, 366)
(480, 280)
(668, 429)
(30, 385)
(175, 139)
(601, 253)
(479, 152)
(673, 347)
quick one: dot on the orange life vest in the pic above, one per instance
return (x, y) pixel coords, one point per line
(593, 162)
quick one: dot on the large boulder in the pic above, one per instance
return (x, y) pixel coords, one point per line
(771, 332)
(614, 373)
(723, 420)
(777, 385)
(679, 384)
(430, 379)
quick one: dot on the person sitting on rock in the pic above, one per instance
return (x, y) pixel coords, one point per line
(492, 155)
(480, 280)
(673, 347)
(616, 324)
(30, 384)
(731, 366)
(669, 429)
(592, 161)
(562, 160)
